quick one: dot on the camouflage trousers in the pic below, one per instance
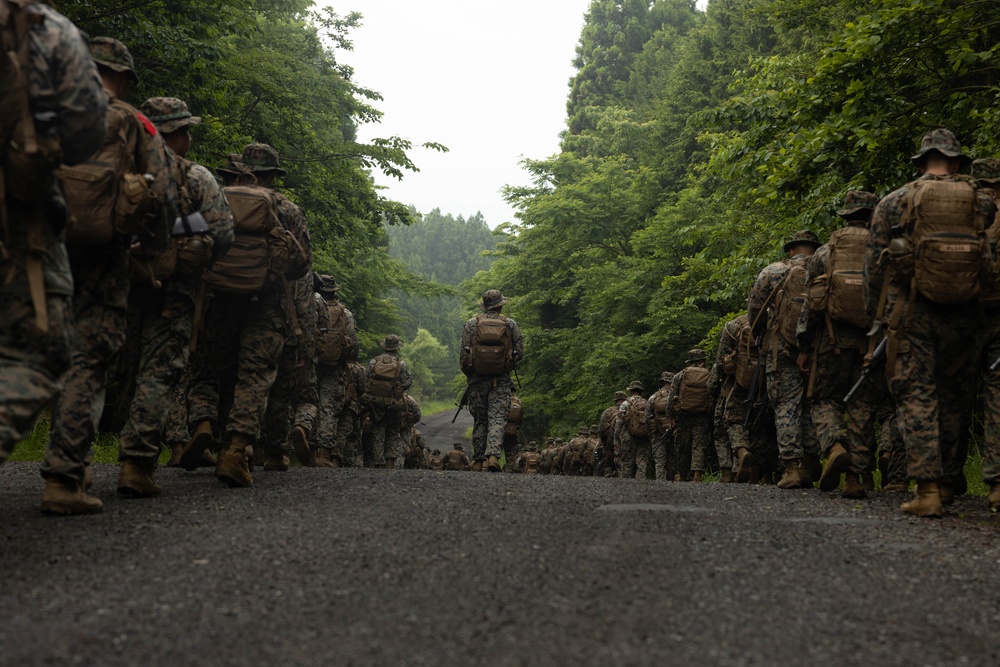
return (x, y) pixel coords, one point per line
(853, 426)
(99, 333)
(635, 453)
(332, 392)
(31, 363)
(786, 390)
(934, 386)
(164, 319)
(389, 436)
(720, 435)
(662, 450)
(292, 401)
(175, 431)
(242, 347)
(734, 416)
(991, 396)
(489, 403)
(891, 447)
(511, 448)
(692, 438)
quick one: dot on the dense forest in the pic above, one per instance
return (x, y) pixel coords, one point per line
(447, 251)
(268, 70)
(696, 143)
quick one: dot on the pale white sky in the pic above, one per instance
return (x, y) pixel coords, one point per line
(489, 80)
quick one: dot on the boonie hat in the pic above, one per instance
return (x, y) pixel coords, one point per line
(261, 157)
(666, 376)
(986, 169)
(856, 200)
(803, 237)
(391, 342)
(943, 141)
(168, 114)
(635, 384)
(109, 52)
(493, 299)
(696, 355)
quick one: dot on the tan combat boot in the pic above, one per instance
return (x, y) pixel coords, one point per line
(322, 459)
(201, 440)
(994, 498)
(744, 465)
(695, 475)
(390, 463)
(853, 487)
(727, 476)
(493, 464)
(836, 464)
(276, 463)
(232, 466)
(477, 466)
(66, 497)
(176, 450)
(135, 478)
(947, 493)
(792, 479)
(810, 469)
(300, 443)
(926, 501)
(894, 487)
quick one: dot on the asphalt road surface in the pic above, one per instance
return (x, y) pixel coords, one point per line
(376, 567)
(440, 433)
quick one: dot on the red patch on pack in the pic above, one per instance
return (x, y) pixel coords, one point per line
(146, 124)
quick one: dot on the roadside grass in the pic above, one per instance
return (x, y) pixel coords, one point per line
(429, 408)
(105, 448)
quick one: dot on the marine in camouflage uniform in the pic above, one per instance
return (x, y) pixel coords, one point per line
(102, 276)
(409, 418)
(163, 315)
(693, 430)
(334, 381)
(634, 451)
(243, 342)
(720, 433)
(489, 396)
(456, 459)
(744, 445)
(387, 414)
(987, 172)
(661, 431)
(61, 84)
(933, 375)
(528, 460)
(573, 460)
(832, 352)
(786, 387)
(512, 436)
(606, 454)
(416, 453)
(348, 442)
(292, 400)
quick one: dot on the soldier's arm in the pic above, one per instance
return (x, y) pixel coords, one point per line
(63, 80)
(294, 220)
(405, 378)
(468, 331)
(211, 203)
(886, 214)
(810, 321)
(516, 340)
(675, 387)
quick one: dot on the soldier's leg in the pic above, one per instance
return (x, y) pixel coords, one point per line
(658, 447)
(261, 341)
(395, 438)
(277, 416)
(31, 362)
(991, 407)
(642, 456)
(720, 436)
(682, 445)
(306, 403)
(914, 388)
(626, 456)
(958, 375)
(165, 341)
(785, 391)
(214, 360)
(324, 435)
(701, 440)
(175, 431)
(478, 402)
(99, 334)
(499, 400)
(378, 434)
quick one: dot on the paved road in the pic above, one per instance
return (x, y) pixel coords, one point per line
(359, 567)
(441, 434)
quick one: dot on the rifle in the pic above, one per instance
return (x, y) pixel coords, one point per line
(755, 383)
(995, 365)
(877, 356)
(461, 403)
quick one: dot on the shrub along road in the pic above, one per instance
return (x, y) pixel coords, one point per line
(317, 567)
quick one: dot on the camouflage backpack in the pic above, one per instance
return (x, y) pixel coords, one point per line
(492, 348)
(105, 197)
(840, 292)
(659, 400)
(532, 461)
(945, 231)
(335, 341)
(693, 396)
(383, 381)
(747, 354)
(635, 418)
(514, 417)
(783, 316)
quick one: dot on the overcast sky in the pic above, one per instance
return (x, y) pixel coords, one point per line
(489, 80)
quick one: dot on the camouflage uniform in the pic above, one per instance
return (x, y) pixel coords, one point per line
(489, 396)
(333, 385)
(661, 434)
(839, 350)
(987, 172)
(294, 388)
(573, 463)
(785, 385)
(102, 275)
(456, 459)
(693, 431)
(634, 451)
(388, 438)
(61, 79)
(720, 434)
(933, 382)
(245, 335)
(528, 461)
(511, 438)
(416, 453)
(605, 454)
(163, 317)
